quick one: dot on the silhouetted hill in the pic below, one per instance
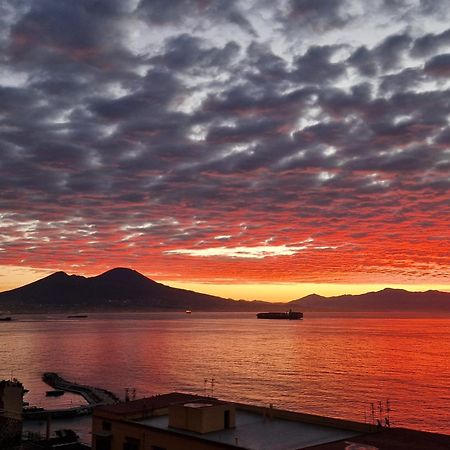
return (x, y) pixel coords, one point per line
(385, 300)
(118, 289)
(124, 289)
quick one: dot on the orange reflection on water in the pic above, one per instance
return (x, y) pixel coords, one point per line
(336, 365)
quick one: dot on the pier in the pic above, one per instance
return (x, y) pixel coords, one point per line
(93, 395)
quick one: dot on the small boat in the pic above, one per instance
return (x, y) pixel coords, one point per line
(188, 311)
(290, 315)
(5, 319)
(77, 316)
(54, 393)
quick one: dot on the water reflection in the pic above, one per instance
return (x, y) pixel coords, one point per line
(333, 365)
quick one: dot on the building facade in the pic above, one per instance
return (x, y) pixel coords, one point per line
(178, 421)
(11, 401)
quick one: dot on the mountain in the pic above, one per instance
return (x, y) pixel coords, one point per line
(124, 289)
(385, 300)
(118, 289)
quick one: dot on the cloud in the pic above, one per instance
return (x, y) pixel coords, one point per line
(185, 51)
(434, 7)
(258, 252)
(386, 56)
(438, 66)
(403, 81)
(157, 12)
(315, 66)
(430, 43)
(320, 14)
(233, 130)
(389, 53)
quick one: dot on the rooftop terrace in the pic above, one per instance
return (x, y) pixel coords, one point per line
(254, 431)
(262, 428)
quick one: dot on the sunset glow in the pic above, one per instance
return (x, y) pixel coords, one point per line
(258, 150)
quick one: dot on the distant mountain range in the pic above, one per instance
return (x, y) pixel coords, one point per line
(124, 289)
(385, 300)
(118, 289)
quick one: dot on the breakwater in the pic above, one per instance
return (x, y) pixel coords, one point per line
(94, 396)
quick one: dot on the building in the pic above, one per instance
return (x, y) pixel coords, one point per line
(64, 439)
(11, 395)
(178, 421)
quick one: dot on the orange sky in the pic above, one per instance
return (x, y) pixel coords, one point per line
(299, 149)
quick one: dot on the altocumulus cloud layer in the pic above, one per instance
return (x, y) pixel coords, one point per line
(299, 140)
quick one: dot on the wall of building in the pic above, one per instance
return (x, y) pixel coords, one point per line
(111, 432)
(11, 397)
(204, 419)
(10, 432)
(148, 436)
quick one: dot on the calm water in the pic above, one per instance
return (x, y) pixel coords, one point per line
(334, 365)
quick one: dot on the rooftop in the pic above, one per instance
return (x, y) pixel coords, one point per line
(145, 405)
(392, 439)
(254, 431)
(260, 428)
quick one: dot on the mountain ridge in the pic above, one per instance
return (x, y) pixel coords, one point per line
(387, 299)
(124, 289)
(118, 289)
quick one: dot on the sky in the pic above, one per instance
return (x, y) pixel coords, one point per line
(250, 149)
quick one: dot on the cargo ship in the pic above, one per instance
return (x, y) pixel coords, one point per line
(290, 315)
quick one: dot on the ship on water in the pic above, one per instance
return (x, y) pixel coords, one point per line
(290, 315)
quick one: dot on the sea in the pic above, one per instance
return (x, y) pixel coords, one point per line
(358, 366)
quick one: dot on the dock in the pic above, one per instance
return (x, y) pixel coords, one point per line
(94, 396)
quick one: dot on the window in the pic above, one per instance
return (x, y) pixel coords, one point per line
(226, 419)
(106, 426)
(155, 447)
(102, 443)
(131, 444)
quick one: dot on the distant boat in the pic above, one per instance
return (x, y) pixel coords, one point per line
(77, 316)
(6, 319)
(54, 393)
(188, 311)
(290, 315)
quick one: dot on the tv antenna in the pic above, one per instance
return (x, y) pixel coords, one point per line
(387, 419)
(208, 386)
(130, 394)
